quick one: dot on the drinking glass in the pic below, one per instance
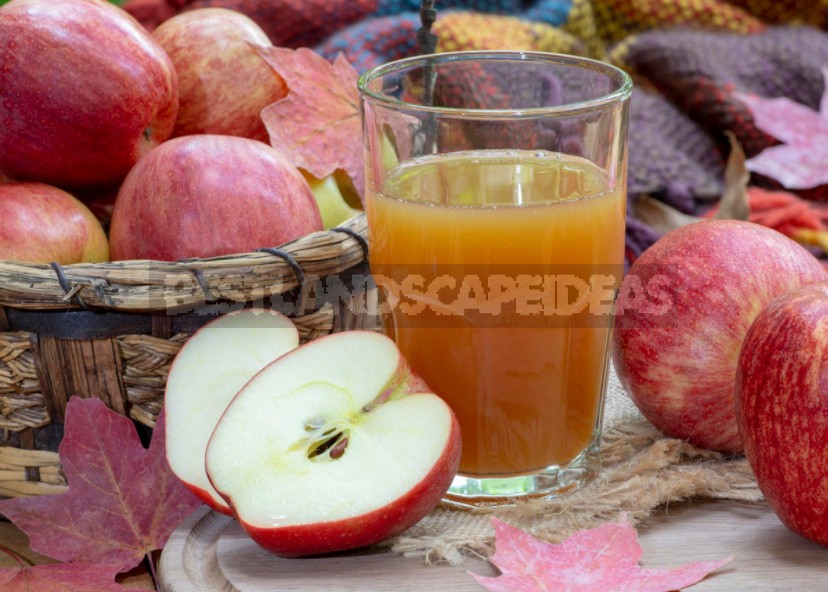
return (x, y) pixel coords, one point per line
(495, 198)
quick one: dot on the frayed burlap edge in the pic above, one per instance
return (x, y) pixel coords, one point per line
(642, 470)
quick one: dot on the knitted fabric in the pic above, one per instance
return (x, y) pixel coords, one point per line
(798, 12)
(616, 19)
(670, 154)
(468, 30)
(699, 71)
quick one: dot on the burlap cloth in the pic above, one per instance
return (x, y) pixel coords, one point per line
(642, 470)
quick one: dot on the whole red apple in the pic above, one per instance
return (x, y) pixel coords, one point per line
(682, 313)
(43, 224)
(208, 195)
(85, 91)
(223, 83)
(782, 407)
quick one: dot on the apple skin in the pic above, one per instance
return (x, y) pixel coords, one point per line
(85, 91)
(715, 277)
(223, 82)
(782, 407)
(367, 529)
(44, 224)
(210, 195)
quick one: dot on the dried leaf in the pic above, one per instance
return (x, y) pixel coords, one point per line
(799, 163)
(61, 577)
(734, 202)
(123, 500)
(659, 216)
(594, 560)
(317, 125)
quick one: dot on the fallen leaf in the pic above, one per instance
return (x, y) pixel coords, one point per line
(659, 216)
(123, 500)
(595, 560)
(317, 125)
(734, 202)
(61, 577)
(799, 163)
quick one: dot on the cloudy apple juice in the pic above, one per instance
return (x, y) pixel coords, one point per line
(475, 250)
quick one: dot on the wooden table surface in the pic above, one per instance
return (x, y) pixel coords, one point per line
(210, 553)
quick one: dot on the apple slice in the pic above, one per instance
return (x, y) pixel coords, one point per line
(334, 446)
(206, 374)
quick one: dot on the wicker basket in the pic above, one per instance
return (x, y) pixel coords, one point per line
(111, 331)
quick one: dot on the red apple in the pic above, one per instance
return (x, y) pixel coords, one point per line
(335, 445)
(709, 280)
(43, 224)
(782, 407)
(85, 91)
(208, 195)
(210, 369)
(223, 82)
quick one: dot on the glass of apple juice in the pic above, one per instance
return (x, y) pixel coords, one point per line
(495, 197)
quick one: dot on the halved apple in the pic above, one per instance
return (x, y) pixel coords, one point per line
(210, 369)
(336, 445)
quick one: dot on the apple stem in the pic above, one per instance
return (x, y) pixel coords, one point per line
(378, 400)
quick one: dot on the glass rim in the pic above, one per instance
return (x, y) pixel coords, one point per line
(617, 96)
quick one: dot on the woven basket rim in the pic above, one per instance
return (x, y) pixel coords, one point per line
(149, 286)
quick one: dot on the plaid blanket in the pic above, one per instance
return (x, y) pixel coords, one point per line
(687, 57)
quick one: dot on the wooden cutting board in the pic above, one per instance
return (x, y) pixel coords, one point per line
(210, 553)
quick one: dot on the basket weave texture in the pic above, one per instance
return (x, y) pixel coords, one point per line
(111, 331)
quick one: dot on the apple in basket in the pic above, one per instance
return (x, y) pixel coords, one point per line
(335, 205)
(223, 82)
(682, 313)
(335, 445)
(43, 224)
(85, 91)
(211, 367)
(782, 407)
(210, 195)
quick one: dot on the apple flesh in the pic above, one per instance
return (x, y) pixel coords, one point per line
(223, 82)
(334, 446)
(43, 224)
(209, 195)
(85, 91)
(712, 279)
(782, 407)
(212, 366)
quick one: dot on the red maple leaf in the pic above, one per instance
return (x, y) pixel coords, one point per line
(317, 125)
(595, 560)
(799, 163)
(61, 577)
(123, 500)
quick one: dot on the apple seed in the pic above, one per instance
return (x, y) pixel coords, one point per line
(334, 446)
(339, 449)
